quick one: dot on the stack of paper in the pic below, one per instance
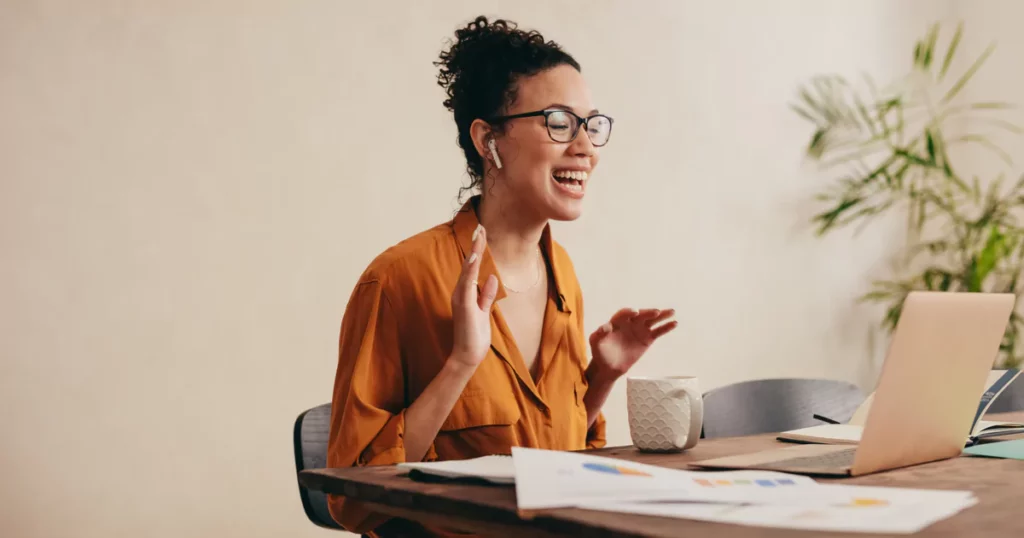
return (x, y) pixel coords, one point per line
(552, 479)
(495, 469)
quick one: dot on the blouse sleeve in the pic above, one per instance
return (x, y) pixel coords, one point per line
(596, 437)
(368, 406)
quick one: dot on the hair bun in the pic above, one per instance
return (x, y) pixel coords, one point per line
(479, 71)
(482, 52)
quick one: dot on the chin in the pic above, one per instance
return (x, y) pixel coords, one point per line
(565, 210)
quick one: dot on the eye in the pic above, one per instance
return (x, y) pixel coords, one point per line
(560, 121)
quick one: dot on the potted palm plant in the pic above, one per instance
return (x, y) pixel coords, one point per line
(889, 148)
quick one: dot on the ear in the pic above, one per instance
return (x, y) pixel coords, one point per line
(479, 131)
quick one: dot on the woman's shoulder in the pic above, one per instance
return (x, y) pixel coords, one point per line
(420, 254)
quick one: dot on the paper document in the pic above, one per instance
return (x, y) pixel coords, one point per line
(992, 428)
(829, 508)
(833, 434)
(552, 479)
(495, 469)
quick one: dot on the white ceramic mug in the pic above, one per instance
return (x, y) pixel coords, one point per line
(665, 413)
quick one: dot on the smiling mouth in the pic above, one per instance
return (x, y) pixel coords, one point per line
(570, 179)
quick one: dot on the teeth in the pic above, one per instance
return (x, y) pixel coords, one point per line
(578, 175)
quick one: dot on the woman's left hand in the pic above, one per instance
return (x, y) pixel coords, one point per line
(619, 344)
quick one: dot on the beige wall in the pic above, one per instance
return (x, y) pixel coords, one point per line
(189, 189)
(1001, 79)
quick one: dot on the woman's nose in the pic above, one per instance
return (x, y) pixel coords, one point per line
(582, 146)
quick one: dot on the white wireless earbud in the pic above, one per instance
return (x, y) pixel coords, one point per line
(494, 153)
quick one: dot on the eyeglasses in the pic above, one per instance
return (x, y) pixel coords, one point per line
(563, 125)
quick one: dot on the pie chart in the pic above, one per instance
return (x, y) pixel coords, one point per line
(613, 469)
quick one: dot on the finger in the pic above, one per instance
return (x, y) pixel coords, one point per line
(466, 288)
(600, 333)
(623, 316)
(664, 329)
(488, 293)
(647, 314)
(662, 316)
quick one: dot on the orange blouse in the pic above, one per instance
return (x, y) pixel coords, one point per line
(397, 333)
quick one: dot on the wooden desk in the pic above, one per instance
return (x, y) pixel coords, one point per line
(491, 510)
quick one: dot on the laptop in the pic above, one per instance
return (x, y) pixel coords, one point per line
(938, 361)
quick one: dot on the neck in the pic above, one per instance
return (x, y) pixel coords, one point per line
(512, 235)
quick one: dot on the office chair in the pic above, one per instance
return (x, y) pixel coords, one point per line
(310, 439)
(775, 405)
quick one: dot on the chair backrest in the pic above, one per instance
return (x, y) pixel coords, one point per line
(775, 405)
(310, 439)
(1012, 398)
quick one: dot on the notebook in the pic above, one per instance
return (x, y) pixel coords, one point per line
(1004, 449)
(496, 469)
(849, 434)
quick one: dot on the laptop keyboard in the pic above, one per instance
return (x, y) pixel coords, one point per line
(828, 460)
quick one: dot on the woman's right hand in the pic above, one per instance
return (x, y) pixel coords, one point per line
(471, 309)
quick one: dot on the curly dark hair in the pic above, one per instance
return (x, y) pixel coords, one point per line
(479, 71)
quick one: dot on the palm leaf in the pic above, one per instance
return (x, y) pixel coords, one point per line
(933, 35)
(894, 146)
(810, 117)
(953, 44)
(962, 81)
(1003, 124)
(986, 143)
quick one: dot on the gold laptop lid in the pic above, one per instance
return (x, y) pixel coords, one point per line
(939, 357)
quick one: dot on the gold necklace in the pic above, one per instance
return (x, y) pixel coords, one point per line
(535, 282)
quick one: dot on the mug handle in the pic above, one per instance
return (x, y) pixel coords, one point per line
(696, 414)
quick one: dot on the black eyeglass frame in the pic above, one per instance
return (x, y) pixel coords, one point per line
(580, 122)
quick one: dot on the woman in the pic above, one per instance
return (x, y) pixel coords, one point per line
(467, 339)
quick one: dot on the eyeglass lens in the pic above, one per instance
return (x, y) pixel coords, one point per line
(562, 127)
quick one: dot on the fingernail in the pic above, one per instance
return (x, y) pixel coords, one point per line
(472, 258)
(476, 232)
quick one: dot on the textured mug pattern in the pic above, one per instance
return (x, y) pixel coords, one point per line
(659, 414)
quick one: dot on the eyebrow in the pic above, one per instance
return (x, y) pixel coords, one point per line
(570, 109)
